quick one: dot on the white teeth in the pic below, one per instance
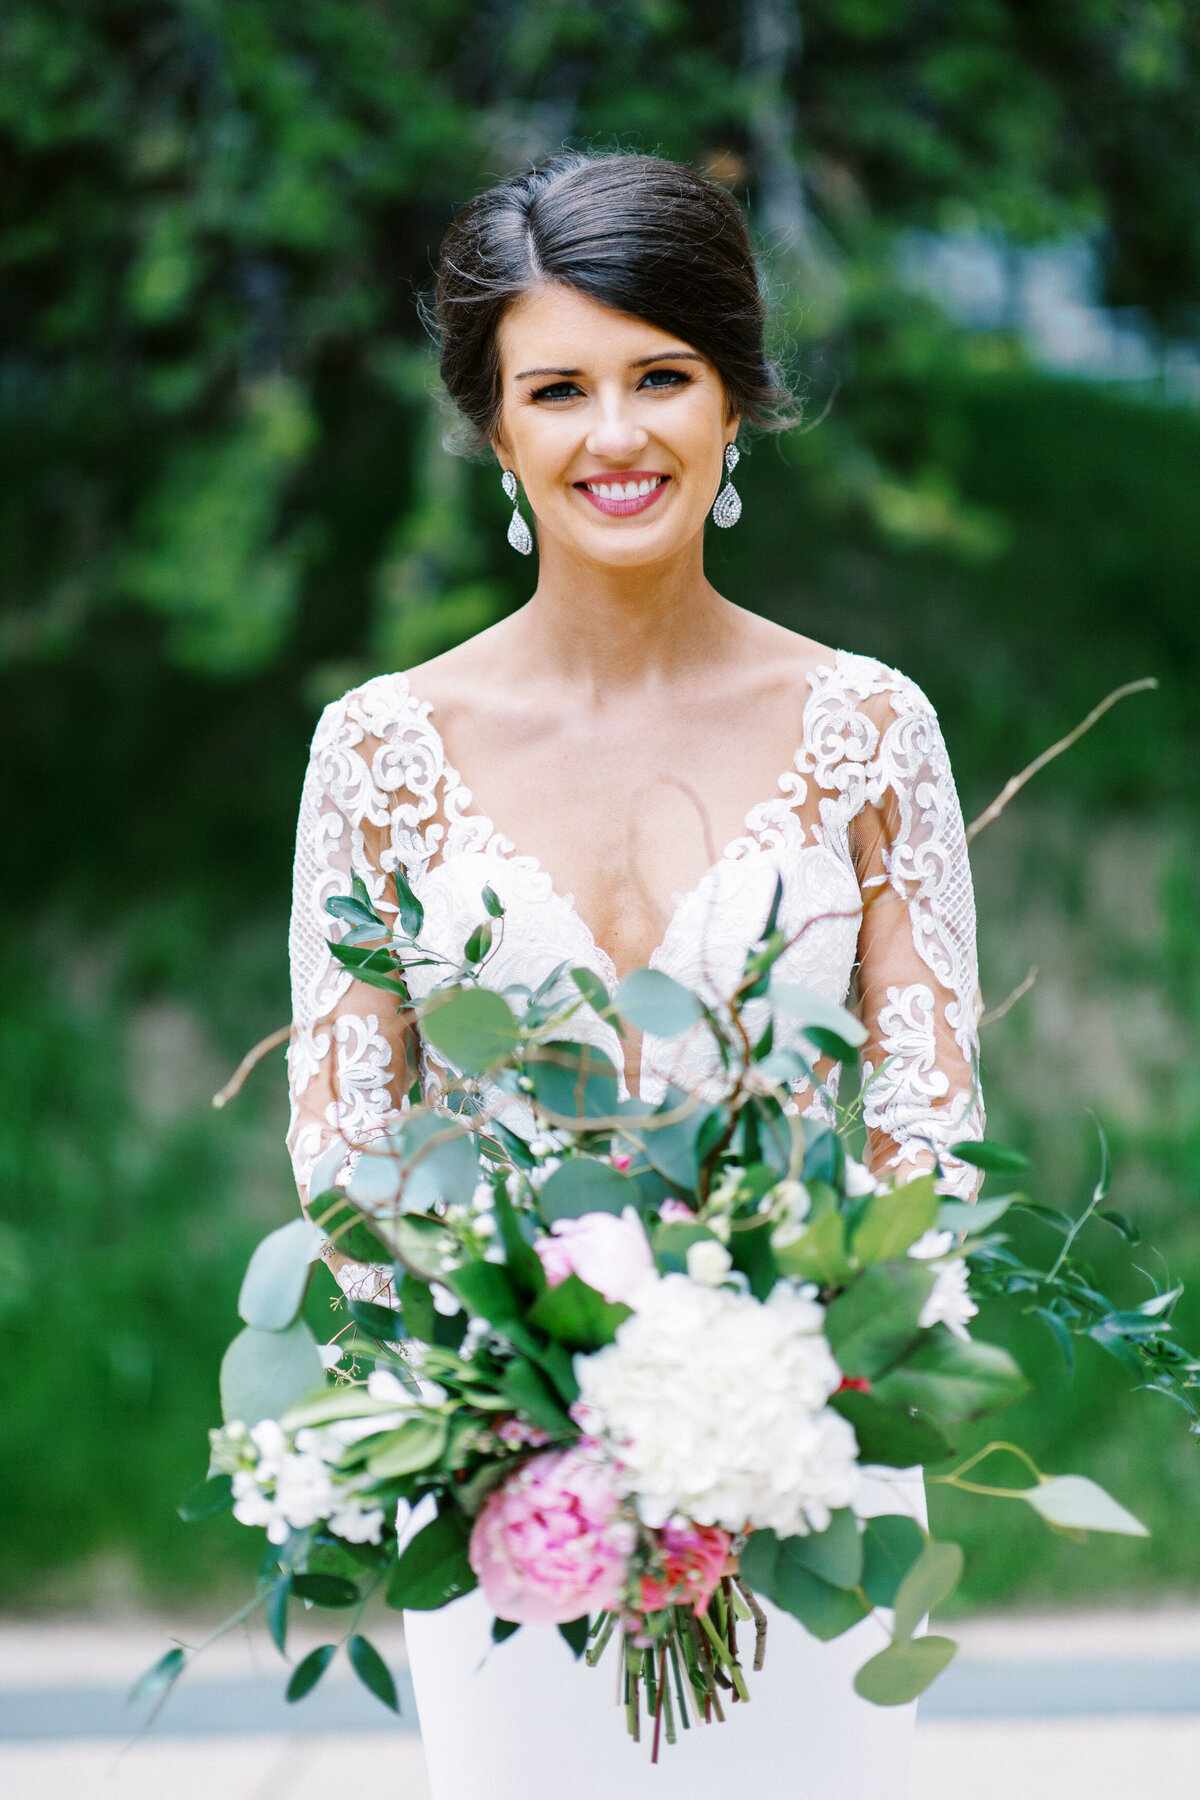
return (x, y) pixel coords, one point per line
(623, 490)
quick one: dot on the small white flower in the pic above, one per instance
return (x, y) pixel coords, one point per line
(485, 1225)
(444, 1301)
(859, 1179)
(793, 1197)
(949, 1302)
(708, 1262)
(788, 1233)
(383, 1385)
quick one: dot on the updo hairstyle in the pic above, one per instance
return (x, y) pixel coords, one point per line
(641, 235)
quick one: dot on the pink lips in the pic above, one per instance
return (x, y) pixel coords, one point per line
(623, 508)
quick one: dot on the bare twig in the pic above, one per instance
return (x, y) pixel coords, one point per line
(252, 1058)
(1018, 993)
(1017, 782)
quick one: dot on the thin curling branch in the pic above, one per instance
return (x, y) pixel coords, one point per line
(1005, 1006)
(252, 1058)
(1017, 782)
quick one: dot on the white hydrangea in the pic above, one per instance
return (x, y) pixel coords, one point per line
(949, 1301)
(715, 1404)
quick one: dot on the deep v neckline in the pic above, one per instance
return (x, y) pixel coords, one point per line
(497, 843)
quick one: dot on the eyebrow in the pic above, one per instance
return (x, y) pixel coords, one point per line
(642, 361)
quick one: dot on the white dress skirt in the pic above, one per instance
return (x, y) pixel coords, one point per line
(522, 1720)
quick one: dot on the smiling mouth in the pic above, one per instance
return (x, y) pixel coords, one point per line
(624, 495)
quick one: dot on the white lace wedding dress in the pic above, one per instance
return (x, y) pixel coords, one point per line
(866, 831)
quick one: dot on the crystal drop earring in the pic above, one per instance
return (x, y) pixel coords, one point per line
(727, 507)
(519, 534)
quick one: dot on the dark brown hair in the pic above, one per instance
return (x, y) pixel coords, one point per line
(644, 236)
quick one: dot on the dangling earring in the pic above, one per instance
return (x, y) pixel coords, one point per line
(727, 507)
(519, 534)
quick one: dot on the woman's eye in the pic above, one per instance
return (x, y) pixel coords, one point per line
(665, 378)
(558, 390)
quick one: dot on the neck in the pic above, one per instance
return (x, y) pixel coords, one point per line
(604, 629)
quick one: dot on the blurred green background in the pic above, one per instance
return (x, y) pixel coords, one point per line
(223, 498)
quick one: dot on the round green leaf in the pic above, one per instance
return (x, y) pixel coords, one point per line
(371, 1669)
(273, 1286)
(306, 1674)
(952, 1381)
(810, 1008)
(935, 1574)
(1078, 1504)
(835, 1554)
(902, 1671)
(654, 1002)
(892, 1542)
(583, 1184)
(265, 1373)
(211, 1497)
(160, 1675)
(473, 1028)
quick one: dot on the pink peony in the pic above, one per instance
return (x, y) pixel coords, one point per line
(549, 1545)
(611, 1254)
(693, 1558)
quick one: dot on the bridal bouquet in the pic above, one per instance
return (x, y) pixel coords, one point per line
(622, 1364)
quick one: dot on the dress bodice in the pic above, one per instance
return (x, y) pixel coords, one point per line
(864, 829)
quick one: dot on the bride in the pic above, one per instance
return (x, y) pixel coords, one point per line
(640, 759)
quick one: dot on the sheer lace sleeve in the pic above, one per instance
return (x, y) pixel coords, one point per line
(348, 1057)
(917, 973)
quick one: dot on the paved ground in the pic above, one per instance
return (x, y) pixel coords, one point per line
(1102, 1706)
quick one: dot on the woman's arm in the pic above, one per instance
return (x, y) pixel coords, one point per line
(917, 975)
(348, 1062)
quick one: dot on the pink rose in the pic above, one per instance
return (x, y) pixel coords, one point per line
(549, 1544)
(611, 1254)
(693, 1559)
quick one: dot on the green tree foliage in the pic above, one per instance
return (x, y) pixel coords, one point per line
(223, 499)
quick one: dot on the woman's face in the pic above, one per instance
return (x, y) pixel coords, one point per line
(616, 429)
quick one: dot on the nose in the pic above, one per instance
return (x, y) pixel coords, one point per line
(614, 432)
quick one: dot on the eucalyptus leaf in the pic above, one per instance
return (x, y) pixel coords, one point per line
(575, 1633)
(652, 1001)
(265, 1373)
(935, 1574)
(372, 1671)
(892, 1542)
(328, 1166)
(491, 901)
(810, 1008)
(473, 1027)
(775, 1567)
(1074, 1502)
(581, 1185)
(835, 1554)
(273, 1286)
(479, 943)
(574, 1082)
(903, 1671)
(596, 994)
(276, 1609)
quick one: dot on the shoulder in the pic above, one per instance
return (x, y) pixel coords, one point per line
(373, 709)
(849, 682)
